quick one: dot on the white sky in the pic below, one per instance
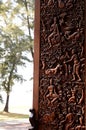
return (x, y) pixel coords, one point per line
(21, 96)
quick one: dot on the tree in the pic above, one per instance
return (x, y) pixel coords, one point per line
(14, 42)
(1, 99)
(27, 16)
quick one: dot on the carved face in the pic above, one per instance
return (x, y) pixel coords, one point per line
(73, 51)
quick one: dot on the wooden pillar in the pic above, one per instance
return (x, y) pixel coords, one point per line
(60, 64)
(36, 55)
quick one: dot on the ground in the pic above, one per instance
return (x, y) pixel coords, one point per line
(12, 121)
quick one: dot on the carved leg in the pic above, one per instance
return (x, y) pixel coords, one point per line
(74, 70)
(77, 72)
(73, 76)
(49, 39)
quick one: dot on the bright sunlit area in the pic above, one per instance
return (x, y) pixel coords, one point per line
(16, 63)
(21, 96)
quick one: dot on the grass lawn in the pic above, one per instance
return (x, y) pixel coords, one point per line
(7, 116)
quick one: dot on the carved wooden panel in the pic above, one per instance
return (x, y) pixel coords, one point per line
(61, 99)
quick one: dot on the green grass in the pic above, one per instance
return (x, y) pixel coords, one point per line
(6, 116)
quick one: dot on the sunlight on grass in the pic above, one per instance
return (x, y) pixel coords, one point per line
(6, 116)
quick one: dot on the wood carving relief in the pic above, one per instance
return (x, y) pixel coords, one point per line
(62, 62)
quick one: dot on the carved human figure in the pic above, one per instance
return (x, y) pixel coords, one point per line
(63, 58)
(69, 3)
(82, 50)
(52, 95)
(82, 98)
(49, 117)
(61, 4)
(81, 120)
(60, 93)
(45, 1)
(65, 3)
(76, 65)
(69, 121)
(43, 64)
(43, 34)
(54, 33)
(80, 126)
(75, 36)
(72, 99)
(52, 71)
(50, 2)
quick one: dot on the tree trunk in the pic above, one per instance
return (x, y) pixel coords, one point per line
(6, 109)
(32, 53)
(7, 104)
(28, 22)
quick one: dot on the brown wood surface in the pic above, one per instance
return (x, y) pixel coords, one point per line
(36, 55)
(59, 89)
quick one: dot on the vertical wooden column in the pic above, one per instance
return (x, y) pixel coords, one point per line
(60, 64)
(36, 55)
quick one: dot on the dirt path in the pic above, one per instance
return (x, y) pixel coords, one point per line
(19, 124)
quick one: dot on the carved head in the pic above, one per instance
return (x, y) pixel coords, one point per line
(73, 51)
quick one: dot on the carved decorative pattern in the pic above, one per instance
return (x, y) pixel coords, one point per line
(62, 78)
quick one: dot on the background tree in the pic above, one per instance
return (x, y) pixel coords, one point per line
(16, 40)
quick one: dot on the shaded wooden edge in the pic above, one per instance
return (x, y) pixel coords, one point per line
(36, 56)
(85, 59)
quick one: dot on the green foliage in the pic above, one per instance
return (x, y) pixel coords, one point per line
(16, 39)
